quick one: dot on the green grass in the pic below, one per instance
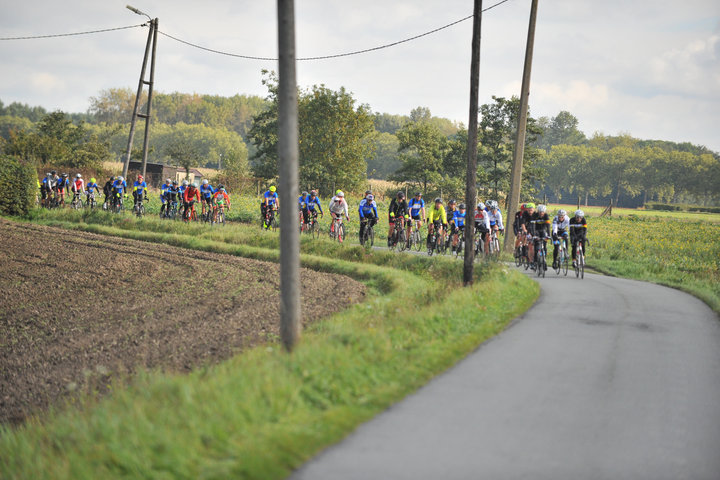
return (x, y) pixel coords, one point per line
(263, 413)
(641, 213)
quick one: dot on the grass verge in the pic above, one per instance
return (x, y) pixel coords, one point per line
(263, 413)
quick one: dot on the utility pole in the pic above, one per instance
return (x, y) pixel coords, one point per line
(516, 180)
(152, 39)
(472, 146)
(288, 155)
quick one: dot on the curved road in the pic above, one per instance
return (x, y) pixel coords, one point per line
(604, 378)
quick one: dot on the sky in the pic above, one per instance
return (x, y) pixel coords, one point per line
(649, 69)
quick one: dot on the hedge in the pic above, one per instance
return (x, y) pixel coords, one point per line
(680, 207)
(18, 183)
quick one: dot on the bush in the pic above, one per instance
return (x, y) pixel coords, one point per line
(18, 184)
(679, 207)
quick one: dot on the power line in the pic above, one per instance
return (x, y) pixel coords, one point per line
(338, 55)
(72, 34)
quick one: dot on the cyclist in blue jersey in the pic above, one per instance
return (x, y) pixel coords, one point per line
(163, 195)
(139, 190)
(118, 190)
(456, 224)
(92, 185)
(181, 192)
(312, 206)
(270, 200)
(368, 213)
(206, 195)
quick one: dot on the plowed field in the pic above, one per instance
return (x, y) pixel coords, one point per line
(77, 309)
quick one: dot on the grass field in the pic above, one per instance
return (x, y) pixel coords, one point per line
(263, 413)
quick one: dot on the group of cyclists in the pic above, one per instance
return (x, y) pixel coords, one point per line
(179, 199)
(533, 228)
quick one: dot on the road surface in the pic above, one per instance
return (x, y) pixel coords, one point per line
(603, 378)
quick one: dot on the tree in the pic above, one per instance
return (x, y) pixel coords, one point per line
(422, 150)
(115, 105)
(560, 130)
(385, 160)
(182, 150)
(333, 135)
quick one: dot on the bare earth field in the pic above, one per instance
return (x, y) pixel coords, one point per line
(77, 309)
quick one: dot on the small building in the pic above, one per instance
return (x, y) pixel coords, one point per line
(156, 173)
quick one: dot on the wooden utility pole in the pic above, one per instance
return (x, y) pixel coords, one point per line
(516, 180)
(152, 39)
(472, 146)
(288, 155)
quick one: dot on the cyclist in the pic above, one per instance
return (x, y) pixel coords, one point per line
(338, 207)
(302, 206)
(458, 223)
(398, 209)
(139, 190)
(172, 195)
(118, 190)
(540, 229)
(416, 207)
(437, 219)
(181, 192)
(62, 186)
(45, 188)
(219, 198)
(164, 196)
(495, 216)
(449, 213)
(190, 195)
(92, 185)
(517, 228)
(368, 213)
(482, 226)
(525, 225)
(77, 187)
(107, 189)
(311, 203)
(206, 195)
(271, 200)
(560, 225)
(578, 231)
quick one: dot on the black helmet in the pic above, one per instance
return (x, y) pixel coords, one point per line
(64, 175)
(53, 172)
(452, 201)
(438, 200)
(418, 194)
(368, 192)
(461, 206)
(175, 182)
(401, 194)
(112, 178)
(221, 186)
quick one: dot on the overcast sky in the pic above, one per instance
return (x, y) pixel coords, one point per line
(651, 69)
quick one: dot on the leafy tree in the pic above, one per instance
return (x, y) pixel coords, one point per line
(184, 152)
(9, 123)
(115, 105)
(387, 123)
(422, 150)
(385, 160)
(562, 129)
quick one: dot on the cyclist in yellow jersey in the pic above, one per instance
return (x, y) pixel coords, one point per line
(436, 218)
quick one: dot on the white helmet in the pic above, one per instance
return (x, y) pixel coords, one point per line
(493, 204)
(167, 180)
(541, 208)
(579, 213)
(562, 212)
(340, 194)
(205, 182)
(185, 183)
(481, 206)
(121, 178)
(79, 175)
(194, 184)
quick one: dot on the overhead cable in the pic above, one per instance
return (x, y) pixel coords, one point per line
(73, 34)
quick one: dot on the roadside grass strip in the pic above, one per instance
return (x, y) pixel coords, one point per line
(263, 413)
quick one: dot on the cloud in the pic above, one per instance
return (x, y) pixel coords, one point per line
(693, 69)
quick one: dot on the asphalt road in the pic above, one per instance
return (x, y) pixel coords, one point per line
(603, 378)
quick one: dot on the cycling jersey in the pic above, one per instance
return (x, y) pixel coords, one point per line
(190, 194)
(139, 187)
(526, 220)
(119, 187)
(270, 198)
(496, 219)
(302, 203)
(397, 208)
(449, 214)
(338, 206)
(540, 224)
(172, 193)
(78, 185)
(578, 228)
(312, 202)
(482, 220)
(206, 191)
(367, 209)
(62, 183)
(458, 219)
(221, 197)
(560, 226)
(163, 191)
(415, 206)
(437, 214)
(92, 186)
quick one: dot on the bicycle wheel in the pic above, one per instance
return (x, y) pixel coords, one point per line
(402, 241)
(581, 264)
(273, 223)
(371, 236)
(341, 233)
(564, 264)
(315, 230)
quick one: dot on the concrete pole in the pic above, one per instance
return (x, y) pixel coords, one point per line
(137, 101)
(472, 146)
(154, 27)
(516, 181)
(288, 155)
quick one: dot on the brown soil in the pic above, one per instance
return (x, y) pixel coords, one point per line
(77, 309)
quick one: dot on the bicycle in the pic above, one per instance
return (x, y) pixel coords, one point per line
(117, 203)
(414, 238)
(270, 222)
(579, 263)
(541, 261)
(437, 242)
(494, 246)
(218, 214)
(190, 214)
(459, 240)
(171, 210)
(367, 239)
(139, 207)
(90, 200)
(562, 257)
(337, 228)
(314, 226)
(207, 211)
(77, 202)
(397, 239)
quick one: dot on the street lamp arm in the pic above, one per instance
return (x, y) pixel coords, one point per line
(139, 12)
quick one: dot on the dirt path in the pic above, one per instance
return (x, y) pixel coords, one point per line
(77, 308)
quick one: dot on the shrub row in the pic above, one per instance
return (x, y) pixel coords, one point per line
(680, 207)
(18, 184)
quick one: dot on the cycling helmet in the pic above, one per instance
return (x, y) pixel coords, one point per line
(185, 183)
(338, 191)
(92, 180)
(65, 175)
(438, 200)
(175, 182)
(579, 213)
(367, 192)
(528, 206)
(167, 180)
(221, 187)
(313, 193)
(541, 208)
(79, 175)
(112, 178)
(562, 213)
(452, 201)
(273, 188)
(194, 184)
(401, 194)
(53, 172)
(481, 206)
(304, 194)
(461, 206)
(121, 178)
(140, 178)
(48, 174)
(340, 194)
(418, 194)
(205, 182)
(371, 197)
